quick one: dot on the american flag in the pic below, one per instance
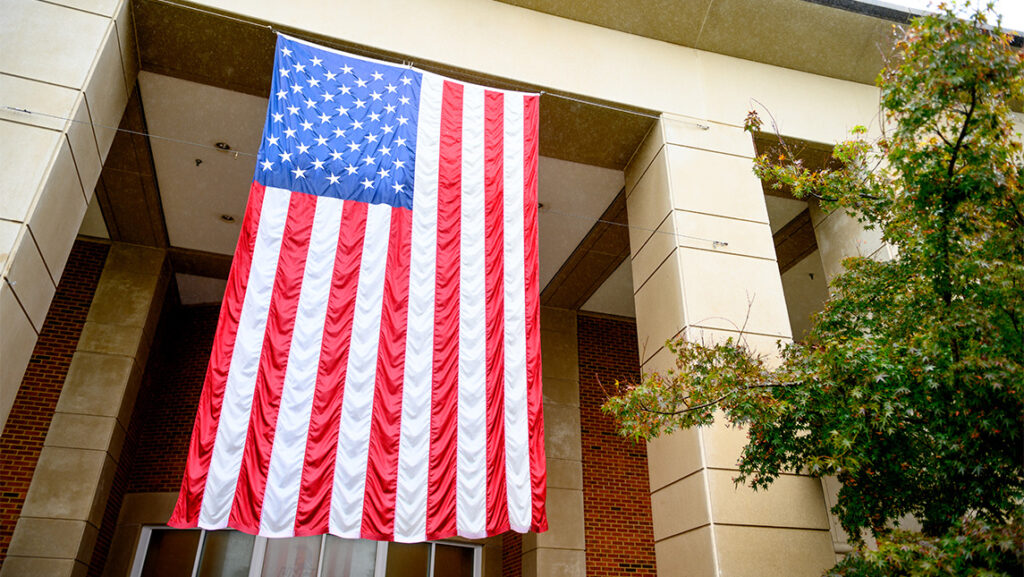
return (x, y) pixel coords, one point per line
(376, 367)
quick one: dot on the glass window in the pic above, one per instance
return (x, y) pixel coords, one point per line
(348, 558)
(297, 557)
(171, 553)
(408, 560)
(167, 552)
(453, 561)
(226, 554)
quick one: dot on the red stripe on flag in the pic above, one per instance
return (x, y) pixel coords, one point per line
(444, 389)
(535, 400)
(314, 508)
(386, 425)
(284, 302)
(494, 181)
(204, 432)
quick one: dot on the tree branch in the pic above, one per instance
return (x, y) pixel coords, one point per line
(690, 409)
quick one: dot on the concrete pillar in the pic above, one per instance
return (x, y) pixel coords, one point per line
(66, 500)
(561, 550)
(704, 267)
(72, 66)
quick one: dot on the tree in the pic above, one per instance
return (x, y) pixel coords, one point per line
(910, 385)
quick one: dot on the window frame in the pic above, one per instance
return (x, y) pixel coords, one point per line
(259, 550)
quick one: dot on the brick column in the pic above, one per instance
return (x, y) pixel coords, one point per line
(703, 267)
(61, 516)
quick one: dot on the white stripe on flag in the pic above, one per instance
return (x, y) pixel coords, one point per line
(360, 378)
(281, 498)
(414, 442)
(517, 433)
(228, 448)
(471, 487)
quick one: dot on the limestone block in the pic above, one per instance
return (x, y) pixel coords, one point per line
(98, 385)
(723, 444)
(732, 293)
(83, 146)
(792, 501)
(101, 7)
(648, 204)
(559, 358)
(561, 391)
(564, 474)
(644, 155)
(558, 320)
(40, 567)
(660, 313)
(743, 238)
(554, 563)
(17, 339)
(135, 259)
(672, 457)
(30, 280)
(772, 552)
(680, 506)
(562, 432)
(9, 233)
(125, 23)
(705, 135)
(106, 92)
(73, 431)
(839, 236)
(655, 251)
(565, 523)
(146, 508)
(123, 299)
(52, 493)
(58, 212)
(713, 183)
(53, 103)
(26, 151)
(687, 555)
(60, 538)
(121, 340)
(53, 43)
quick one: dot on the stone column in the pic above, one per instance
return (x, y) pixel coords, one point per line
(839, 235)
(65, 77)
(560, 551)
(61, 516)
(704, 267)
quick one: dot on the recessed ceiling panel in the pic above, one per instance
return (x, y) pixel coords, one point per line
(203, 189)
(615, 297)
(573, 196)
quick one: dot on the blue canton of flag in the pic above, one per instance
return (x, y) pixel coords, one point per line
(340, 126)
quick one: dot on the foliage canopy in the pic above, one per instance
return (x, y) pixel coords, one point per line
(910, 386)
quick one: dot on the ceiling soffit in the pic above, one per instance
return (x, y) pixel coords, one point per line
(814, 37)
(227, 53)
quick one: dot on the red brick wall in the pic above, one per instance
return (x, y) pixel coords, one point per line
(511, 555)
(169, 409)
(616, 493)
(23, 436)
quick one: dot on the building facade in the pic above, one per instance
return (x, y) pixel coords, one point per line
(127, 130)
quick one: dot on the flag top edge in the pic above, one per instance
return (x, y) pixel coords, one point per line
(401, 65)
